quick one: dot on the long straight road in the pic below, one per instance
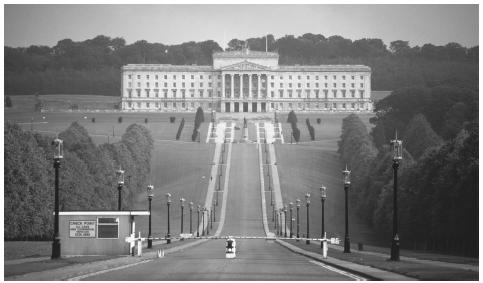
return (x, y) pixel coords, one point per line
(257, 259)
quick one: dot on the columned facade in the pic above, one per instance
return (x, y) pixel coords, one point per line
(246, 81)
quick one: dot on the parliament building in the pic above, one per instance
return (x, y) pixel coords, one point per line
(246, 81)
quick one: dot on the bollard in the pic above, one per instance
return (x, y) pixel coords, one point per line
(140, 248)
(325, 246)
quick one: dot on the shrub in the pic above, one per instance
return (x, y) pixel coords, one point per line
(292, 118)
(199, 117)
(180, 129)
(296, 134)
(119, 119)
(145, 120)
(93, 119)
(195, 134)
(8, 101)
(319, 120)
(312, 132)
(172, 119)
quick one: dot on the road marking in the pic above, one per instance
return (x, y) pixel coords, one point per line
(107, 270)
(331, 268)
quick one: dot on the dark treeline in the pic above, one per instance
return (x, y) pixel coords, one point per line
(438, 186)
(87, 176)
(93, 66)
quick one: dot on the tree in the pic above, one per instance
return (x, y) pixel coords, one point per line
(419, 136)
(292, 118)
(8, 101)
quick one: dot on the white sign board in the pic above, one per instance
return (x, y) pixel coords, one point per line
(82, 228)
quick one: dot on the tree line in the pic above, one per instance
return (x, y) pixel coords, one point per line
(93, 66)
(87, 176)
(438, 176)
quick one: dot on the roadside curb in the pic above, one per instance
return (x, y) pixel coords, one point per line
(368, 272)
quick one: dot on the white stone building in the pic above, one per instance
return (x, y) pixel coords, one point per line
(246, 81)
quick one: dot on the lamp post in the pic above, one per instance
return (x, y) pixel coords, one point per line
(191, 217)
(276, 219)
(203, 221)
(291, 222)
(120, 183)
(285, 220)
(347, 181)
(397, 157)
(198, 227)
(150, 198)
(168, 202)
(307, 199)
(298, 219)
(279, 214)
(212, 216)
(207, 211)
(182, 200)
(58, 155)
(323, 196)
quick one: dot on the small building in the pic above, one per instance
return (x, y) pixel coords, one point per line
(97, 232)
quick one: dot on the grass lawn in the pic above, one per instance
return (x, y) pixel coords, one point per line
(22, 249)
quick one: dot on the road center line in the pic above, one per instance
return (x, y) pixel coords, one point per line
(331, 268)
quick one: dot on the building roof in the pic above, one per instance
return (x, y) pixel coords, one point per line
(245, 66)
(246, 53)
(324, 68)
(105, 212)
(167, 67)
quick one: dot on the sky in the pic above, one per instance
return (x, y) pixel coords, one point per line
(26, 25)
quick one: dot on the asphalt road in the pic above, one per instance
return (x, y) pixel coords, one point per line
(257, 259)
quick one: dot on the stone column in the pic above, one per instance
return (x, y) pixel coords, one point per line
(241, 86)
(223, 85)
(259, 84)
(250, 106)
(250, 86)
(232, 76)
(222, 105)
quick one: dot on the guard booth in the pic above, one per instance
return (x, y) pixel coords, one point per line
(97, 232)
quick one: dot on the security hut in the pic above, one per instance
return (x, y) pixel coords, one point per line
(97, 232)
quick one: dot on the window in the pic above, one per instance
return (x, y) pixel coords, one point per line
(343, 77)
(299, 85)
(352, 93)
(182, 77)
(174, 77)
(308, 84)
(130, 84)
(147, 77)
(281, 77)
(201, 84)
(335, 77)
(352, 77)
(165, 77)
(201, 77)
(280, 92)
(290, 93)
(147, 92)
(139, 77)
(362, 77)
(139, 84)
(165, 84)
(326, 94)
(299, 93)
(272, 93)
(138, 92)
(192, 84)
(352, 85)
(130, 92)
(326, 85)
(289, 84)
(343, 105)
(156, 77)
(272, 84)
(298, 77)
(192, 92)
(361, 92)
(156, 92)
(156, 105)
(166, 105)
(272, 77)
(209, 84)
(183, 84)
(139, 104)
(129, 104)
(174, 93)
(281, 84)
(290, 77)
(156, 84)
(334, 92)
(147, 84)
(147, 104)
(165, 93)
(353, 105)
(219, 84)
(317, 78)
(271, 105)
(362, 85)
(201, 92)
(308, 77)
(307, 93)
(334, 105)
(316, 84)
(343, 93)
(209, 77)
(219, 77)
(192, 77)
(129, 76)
(174, 84)
(209, 93)
(183, 93)
(316, 93)
(325, 77)
(335, 85)
(343, 85)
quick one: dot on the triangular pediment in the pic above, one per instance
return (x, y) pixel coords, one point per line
(245, 66)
